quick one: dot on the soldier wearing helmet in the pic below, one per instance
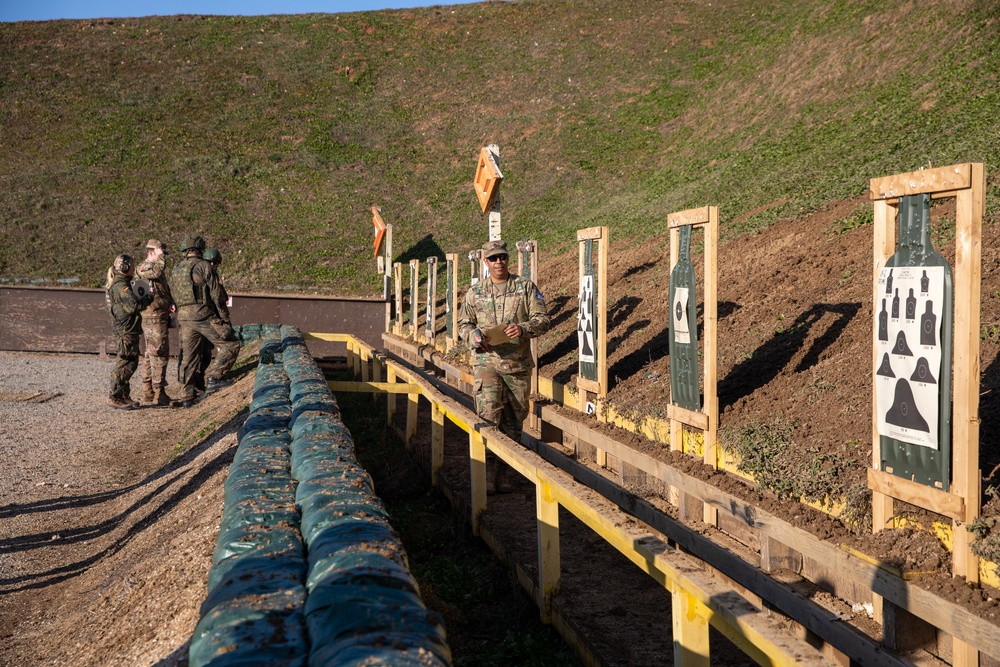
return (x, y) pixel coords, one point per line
(203, 318)
(213, 257)
(155, 322)
(124, 307)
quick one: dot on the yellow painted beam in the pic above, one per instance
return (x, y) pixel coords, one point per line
(347, 387)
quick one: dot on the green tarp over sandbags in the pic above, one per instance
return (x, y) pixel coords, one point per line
(253, 631)
(248, 575)
(345, 619)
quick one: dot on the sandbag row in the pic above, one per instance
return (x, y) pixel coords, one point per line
(254, 613)
(307, 568)
(363, 606)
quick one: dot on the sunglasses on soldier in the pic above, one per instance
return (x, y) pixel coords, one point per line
(498, 258)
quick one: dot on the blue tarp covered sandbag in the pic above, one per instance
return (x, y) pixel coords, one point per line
(265, 631)
(251, 574)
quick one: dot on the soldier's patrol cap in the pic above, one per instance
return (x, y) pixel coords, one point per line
(494, 248)
(154, 243)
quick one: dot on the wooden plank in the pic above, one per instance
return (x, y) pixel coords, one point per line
(437, 442)
(347, 387)
(698, 420)
(928, 497)
(953, 177)
(589, 234)
(692, 216)
(884, 245)
(602, 309)
(588, 385)
(945, 615)
(477, 479)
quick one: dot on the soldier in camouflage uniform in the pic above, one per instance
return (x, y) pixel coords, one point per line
(155, 322)
(124, 307)
(213, 257)
(202, 315)
(502, 371)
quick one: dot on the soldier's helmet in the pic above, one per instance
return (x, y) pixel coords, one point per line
(212, 255)
(124, 264)
(193, 243)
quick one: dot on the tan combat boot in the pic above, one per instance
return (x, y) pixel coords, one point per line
(147, 390)
(160, 396)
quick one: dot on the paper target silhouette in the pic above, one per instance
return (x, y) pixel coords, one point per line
(682, 330)
(908, 362)
(885, 368)
(922, 373)
(928, 325)
(585, 321)
(904, 410)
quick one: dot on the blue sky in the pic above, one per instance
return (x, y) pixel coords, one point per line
(43, 10)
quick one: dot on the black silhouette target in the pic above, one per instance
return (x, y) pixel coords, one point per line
(908, 362)
(585, 321)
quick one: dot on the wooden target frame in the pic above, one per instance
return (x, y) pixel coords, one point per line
(599, 386)
(967, 183)
(430, 312)
(530, 248)
(707, 420)
(414, 299)
(397, 280)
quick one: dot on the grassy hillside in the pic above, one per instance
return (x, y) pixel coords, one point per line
(272, 136)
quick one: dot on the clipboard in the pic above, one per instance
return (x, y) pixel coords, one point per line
(496, 335)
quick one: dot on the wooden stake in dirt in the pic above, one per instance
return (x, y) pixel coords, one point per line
(909, 410)
(527, 267)
(430, 316)
(414, 297)
(592, 325)
(686, 408)
(451, 300)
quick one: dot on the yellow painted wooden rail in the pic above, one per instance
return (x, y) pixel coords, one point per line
(699, 600)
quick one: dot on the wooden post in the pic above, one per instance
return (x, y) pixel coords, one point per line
(531, 247)
(364, 362)
(437, 441)
(430, 314)
(397, 278)
(390, 399)
(413, 402)
(547, 515)
(477, 477)
(689, 618)
(414, 298)
(451, 302)
(376, 373)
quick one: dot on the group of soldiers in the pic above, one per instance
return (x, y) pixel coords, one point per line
(193, 292)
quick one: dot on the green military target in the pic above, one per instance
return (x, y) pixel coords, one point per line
(683, 341)
(913, 341)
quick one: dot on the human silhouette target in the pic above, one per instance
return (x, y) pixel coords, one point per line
(585, 321)
(908, 353)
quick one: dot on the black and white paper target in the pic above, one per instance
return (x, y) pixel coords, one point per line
(907, 340)
(585, 321)
(679, 311)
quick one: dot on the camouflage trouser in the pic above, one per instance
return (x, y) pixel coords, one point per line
(125, 365)
(502, 399)
(154, 361)
(193, 335)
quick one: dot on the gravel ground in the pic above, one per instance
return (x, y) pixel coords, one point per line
(107, 517)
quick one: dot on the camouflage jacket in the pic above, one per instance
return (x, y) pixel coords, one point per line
(156, 274)
(124, 306)
(197, 292)
(487, 305)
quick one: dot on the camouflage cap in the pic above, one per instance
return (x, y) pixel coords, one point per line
(154, 243)
(494, 248)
